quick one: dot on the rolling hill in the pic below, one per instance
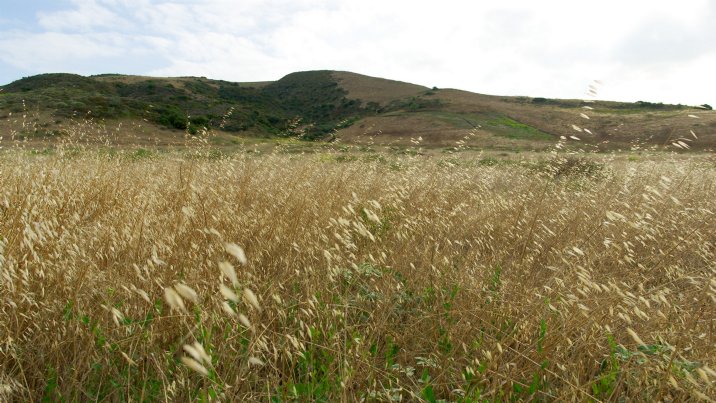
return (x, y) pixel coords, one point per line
(333, 105)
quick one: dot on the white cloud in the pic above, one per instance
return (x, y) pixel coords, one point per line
(87, 15)
(214, 55)
(47, 48)
(72, 52)
(552, 48)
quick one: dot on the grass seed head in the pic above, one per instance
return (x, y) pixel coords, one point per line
(194, 365)
(251, 299)
(255, 362)
(174, 300)
(244, 321)
(186, 292)
(228, 270)
(228, 293)
(236, 251)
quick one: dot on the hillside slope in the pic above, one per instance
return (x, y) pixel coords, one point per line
(329, 105)
(448, 117)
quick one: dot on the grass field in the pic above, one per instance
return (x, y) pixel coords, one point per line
(193, 275)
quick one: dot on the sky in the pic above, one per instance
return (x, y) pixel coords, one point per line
(657, 51)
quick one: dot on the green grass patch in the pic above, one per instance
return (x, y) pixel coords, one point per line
(498, 124)
(512, 129)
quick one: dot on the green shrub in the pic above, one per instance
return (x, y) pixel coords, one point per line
(173, 118)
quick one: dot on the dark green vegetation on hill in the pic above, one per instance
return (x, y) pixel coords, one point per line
(324, 105)
(193, 103)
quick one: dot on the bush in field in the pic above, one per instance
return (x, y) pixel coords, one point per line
(173, 118)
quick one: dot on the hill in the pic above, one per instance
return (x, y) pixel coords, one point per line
(329, 105)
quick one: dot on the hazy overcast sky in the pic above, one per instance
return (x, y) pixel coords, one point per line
(641, 50)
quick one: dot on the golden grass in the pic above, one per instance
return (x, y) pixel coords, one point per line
(374, 89)
(276, 277)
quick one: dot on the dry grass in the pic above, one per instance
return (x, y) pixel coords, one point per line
(374, 89)
(611, 128)
(181, 277)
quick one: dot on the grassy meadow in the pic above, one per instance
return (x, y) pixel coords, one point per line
(196, 275)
